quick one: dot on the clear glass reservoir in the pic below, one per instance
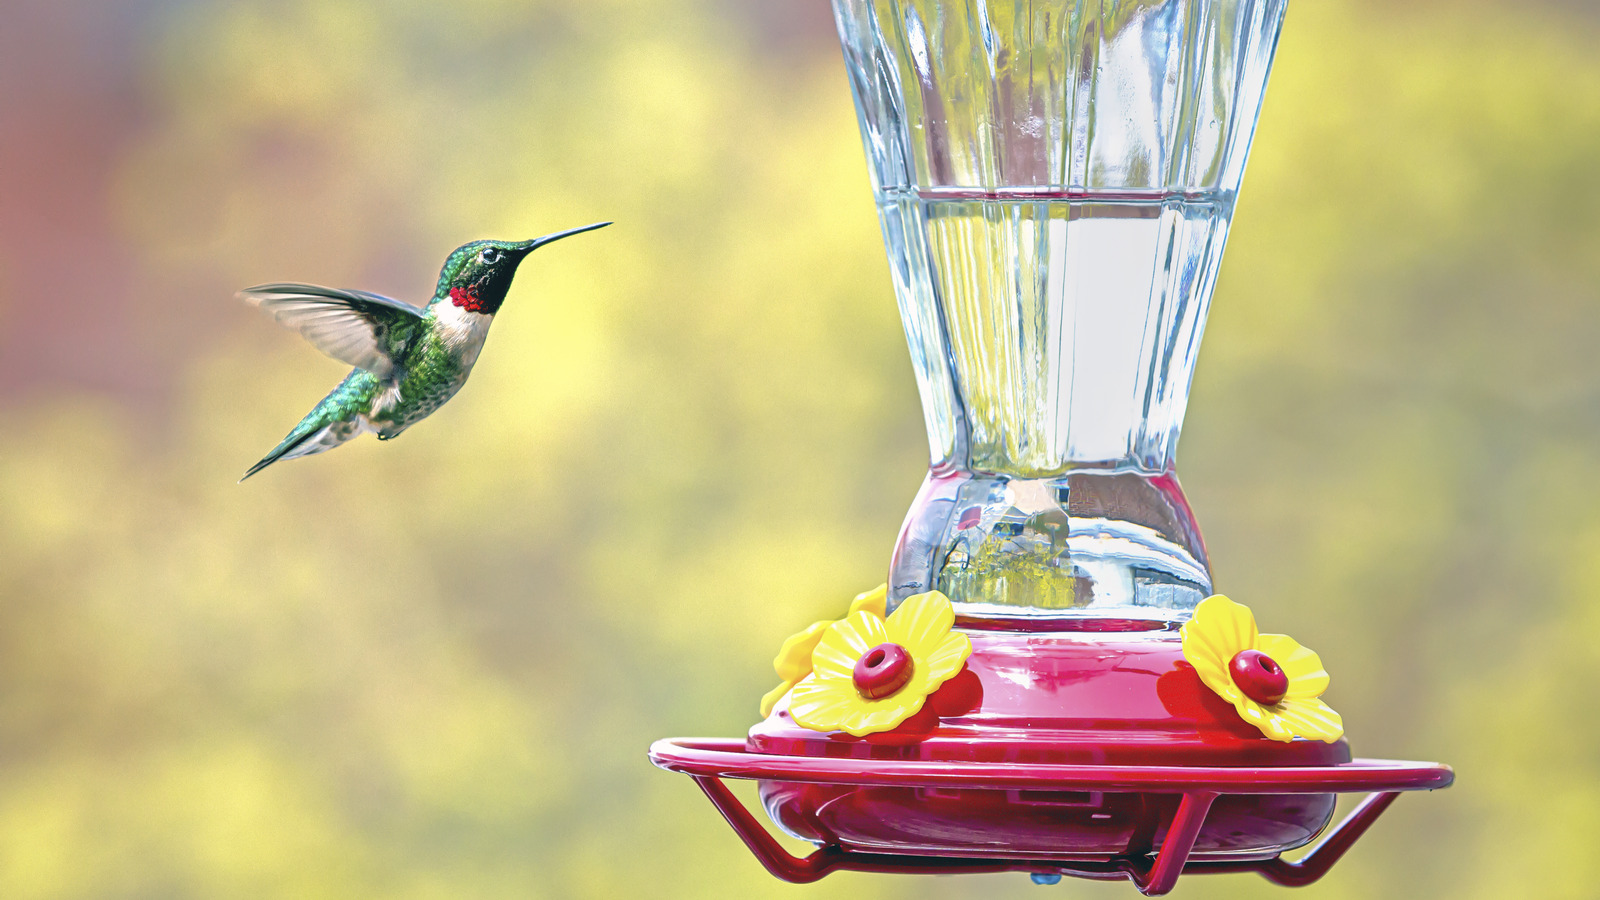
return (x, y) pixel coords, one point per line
(1055, 181)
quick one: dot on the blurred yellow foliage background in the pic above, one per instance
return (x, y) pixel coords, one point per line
(431, 668)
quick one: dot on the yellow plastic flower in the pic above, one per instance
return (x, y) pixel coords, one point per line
(793, 661)
(871, 674)
(1270, 679)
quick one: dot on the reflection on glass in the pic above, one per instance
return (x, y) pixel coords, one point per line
(1055, 182)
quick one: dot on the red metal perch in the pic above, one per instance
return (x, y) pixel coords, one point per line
(709, 761)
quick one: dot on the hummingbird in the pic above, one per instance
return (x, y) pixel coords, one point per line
(408, 360)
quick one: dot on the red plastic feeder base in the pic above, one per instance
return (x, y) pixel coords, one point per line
(1091, 755)
(1197, 789)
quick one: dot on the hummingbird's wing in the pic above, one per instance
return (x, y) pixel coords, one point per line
(368, 331)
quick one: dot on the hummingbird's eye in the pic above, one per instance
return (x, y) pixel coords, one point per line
(490, 255)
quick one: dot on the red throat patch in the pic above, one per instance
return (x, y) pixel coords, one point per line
(467, 298)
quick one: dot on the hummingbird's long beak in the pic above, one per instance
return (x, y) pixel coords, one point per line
(536, 243)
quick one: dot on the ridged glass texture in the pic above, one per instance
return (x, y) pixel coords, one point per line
(1055, 181)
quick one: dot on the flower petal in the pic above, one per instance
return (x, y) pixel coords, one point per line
(831, 705)
(874, 601)
(773, 696)
(921, 622)
(1219, 629)
(933, 670)
(1274, 727)
(1230, 692)
(1212, 669)
(1311, 718)
(947, 658)
(844, 643)
(868, 630)
(1231, 628)
(833, 659)
(820, 705)
(828, 700)
(1250, 711)
(1307, 678)
(871, 717)
(793, 661)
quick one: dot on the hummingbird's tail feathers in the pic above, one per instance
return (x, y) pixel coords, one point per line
(339, 417)
(285, 450)
(305, 441)
(265, 461)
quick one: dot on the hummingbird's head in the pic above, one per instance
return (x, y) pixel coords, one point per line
(477, 276)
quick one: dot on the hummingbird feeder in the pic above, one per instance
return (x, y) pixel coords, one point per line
(1047, 683)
